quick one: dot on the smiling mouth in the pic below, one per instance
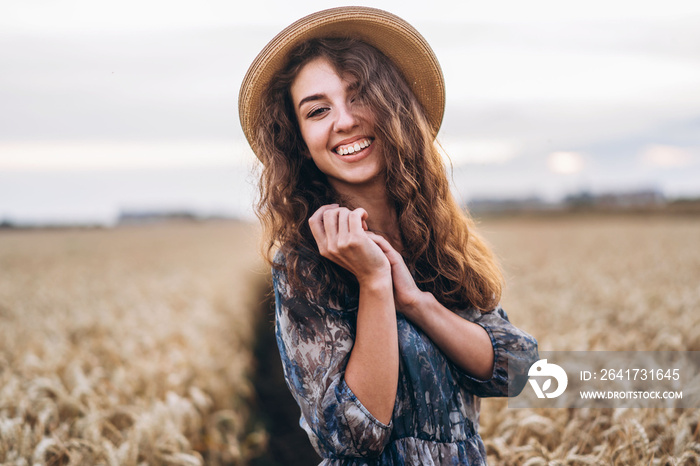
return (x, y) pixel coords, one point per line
(357, 146)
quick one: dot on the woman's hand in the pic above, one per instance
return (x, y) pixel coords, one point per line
(341, 237)
(467, 344)
(372, 370)
(407, 295)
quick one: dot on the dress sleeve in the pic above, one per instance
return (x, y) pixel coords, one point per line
(315, 342)
(514, 352)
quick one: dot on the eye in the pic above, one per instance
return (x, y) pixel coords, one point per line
(358, 97)
(317, 112)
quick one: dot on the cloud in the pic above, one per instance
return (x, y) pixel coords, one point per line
(662, 156)
(522, 82)
(565, 163)
(482, 151)
(88, 15)
(89, 155)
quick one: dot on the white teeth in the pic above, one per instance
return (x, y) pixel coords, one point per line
(358, 146)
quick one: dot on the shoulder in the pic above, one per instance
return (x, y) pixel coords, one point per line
(286, 261)
(286, 253)
(472, 313)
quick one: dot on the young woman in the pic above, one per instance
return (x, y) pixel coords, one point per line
(387, 314)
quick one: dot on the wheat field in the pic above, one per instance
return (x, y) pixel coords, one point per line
(128, 346)
(132, 345)
(599, 283)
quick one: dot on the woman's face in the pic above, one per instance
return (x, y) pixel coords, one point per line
(337, 129)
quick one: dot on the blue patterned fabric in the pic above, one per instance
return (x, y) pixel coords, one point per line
(436, 414)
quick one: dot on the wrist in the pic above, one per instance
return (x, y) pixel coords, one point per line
(418, 306)
(378, 280)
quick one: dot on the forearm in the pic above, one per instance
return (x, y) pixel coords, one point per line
(465, 343)
(373, 368)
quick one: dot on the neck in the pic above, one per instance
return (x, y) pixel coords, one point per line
(381, 215)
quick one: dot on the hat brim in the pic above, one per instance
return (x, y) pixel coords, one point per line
(388, 33)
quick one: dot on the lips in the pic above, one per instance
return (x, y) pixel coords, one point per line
(351, 147)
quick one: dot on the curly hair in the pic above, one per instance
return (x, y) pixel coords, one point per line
(440, 244)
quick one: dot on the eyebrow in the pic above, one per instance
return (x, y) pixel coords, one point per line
(353, 86)
(311, 98)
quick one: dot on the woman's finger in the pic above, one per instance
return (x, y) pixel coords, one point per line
(343, 222)
(385, 246)
(318, 232)
(356, 221)
(317, 216)
(317, 227)
(343, 228)
(381, 242)
(330, 225)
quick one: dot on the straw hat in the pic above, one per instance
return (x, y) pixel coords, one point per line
(388, 33)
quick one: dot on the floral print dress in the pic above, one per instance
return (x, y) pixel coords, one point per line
(436, 414)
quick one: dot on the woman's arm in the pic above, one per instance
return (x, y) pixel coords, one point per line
(373, 368)
(480, 345)
(315, 338)
(465, 343)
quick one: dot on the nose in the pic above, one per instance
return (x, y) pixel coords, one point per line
(345, 120)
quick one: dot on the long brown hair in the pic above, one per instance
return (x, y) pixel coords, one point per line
(439, 240)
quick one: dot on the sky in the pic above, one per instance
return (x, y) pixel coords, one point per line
(132, 105)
